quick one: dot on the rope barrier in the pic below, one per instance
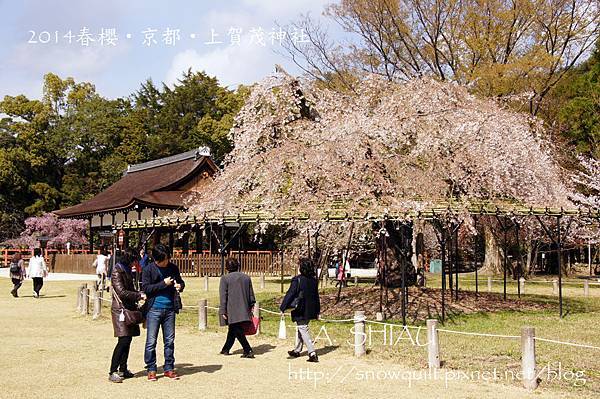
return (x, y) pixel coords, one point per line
(479, 334)
(394, 324)
(417, 328)
(566, 343)
(482, 280)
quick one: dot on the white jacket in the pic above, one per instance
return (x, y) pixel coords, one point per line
(37, 267)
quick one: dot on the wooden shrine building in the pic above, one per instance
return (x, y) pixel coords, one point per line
(146, 191)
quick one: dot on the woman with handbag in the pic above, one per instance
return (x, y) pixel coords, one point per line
(303, 298)
(162, 283)
(125, 314)
(235, 309)
(37, 271)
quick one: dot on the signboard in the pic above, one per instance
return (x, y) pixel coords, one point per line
(121, 237)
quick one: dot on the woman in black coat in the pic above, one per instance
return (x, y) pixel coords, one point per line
(303, 297)
(124, 294)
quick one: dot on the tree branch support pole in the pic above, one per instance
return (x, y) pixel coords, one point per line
(222, 248)
(559, 244)
(281, 250)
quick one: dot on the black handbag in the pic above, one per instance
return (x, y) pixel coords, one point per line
(298, 302)
(129, 317)
(177, 304)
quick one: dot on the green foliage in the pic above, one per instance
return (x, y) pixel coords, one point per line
(73, 143)
(579, 107)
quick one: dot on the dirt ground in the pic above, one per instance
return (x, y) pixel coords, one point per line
(49, 351)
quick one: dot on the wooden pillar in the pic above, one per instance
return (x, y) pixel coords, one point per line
(199, 234)
(91, 244)
(222, 249)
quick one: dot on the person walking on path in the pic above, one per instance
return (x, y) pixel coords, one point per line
(17, 273)
(101, 265)
(127, 297)
(37, 271)
(162, 283)
(303, 298)
(236, 303)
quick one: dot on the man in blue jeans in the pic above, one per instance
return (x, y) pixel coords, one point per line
(161, 283)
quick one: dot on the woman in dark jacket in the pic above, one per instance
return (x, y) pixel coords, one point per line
(128, 296)
(303, 296)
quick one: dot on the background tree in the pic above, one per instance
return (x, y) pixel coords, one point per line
(73, 143)
(516, 49)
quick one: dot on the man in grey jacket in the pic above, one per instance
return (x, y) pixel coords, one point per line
(237, 301)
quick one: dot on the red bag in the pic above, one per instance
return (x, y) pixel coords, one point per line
(251, 327)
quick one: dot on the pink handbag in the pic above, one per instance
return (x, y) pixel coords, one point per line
(251, 327)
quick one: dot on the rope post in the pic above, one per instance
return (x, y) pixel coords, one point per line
(262, 280)
(528, 358)
(522, 284)
(97, 305)
(85, 301)
(202, 314)
(433, 344)
(79, 289)
(256, 313)
(489, 283)
(355, 280)
(586, 288)
(82, 297)
(359, 334)
(206, 282)
(379, 316)
(92, 298)
(555, 287)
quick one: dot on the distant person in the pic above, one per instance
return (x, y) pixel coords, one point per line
(303, 298)
(37, 271)
(161, 282)
(236, 303)
(17, 273)
(101, 265)
(126, 297)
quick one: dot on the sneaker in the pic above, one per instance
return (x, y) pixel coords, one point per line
(226, 353)
(313, 358)
(126, 374)
(294, 354)
(35, 294)
(248, 355)
(115, 377)
(172, 374)
(152, 376)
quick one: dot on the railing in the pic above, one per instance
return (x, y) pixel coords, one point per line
(74, 263)
(207, 264)
(7, 254)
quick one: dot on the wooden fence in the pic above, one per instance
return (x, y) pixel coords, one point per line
(75, 263)
(253, 263)
(204, 264)
(6, 254)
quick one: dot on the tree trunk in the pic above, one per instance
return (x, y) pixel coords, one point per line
(492, 263)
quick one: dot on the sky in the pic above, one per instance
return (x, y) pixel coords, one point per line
(116, 45)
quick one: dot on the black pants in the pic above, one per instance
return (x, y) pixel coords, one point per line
(17, 282)
(120, 355)
(38, 283)
(236, 331)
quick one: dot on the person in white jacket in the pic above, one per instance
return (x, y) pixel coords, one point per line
(37, 271)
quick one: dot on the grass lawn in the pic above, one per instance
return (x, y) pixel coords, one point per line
(581, 324)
